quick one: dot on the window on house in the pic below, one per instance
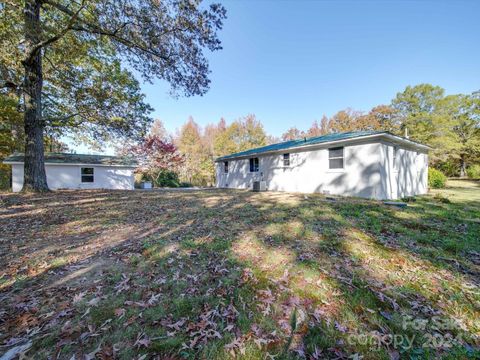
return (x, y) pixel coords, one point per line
(286, 160)
(87, 175)
(395, 156)
(225, 166)
(254, 165)
(335, 158)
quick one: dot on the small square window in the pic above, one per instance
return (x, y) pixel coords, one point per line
(225, 167)
(87, 175)
(254, 167)
(286, 160)
(335, 158)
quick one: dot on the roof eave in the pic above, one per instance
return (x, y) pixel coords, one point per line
(407, 141)
(75, 164)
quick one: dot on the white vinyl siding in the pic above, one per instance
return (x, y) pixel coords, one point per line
(366, 171)
(69, 176)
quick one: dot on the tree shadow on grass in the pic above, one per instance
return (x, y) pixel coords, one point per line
(129, 234)
(362, 267)
(173, 263)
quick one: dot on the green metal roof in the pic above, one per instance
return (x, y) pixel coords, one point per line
(65, 158)
(302, 142)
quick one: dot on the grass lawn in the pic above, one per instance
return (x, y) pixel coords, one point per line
(216, 274)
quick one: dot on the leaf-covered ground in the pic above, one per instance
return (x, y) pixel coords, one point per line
(225, 273)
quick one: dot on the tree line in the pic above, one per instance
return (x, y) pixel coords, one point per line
(448, 123)
(188, 155)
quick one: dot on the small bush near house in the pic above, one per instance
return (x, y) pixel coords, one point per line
(473, 171)
(436, 179)
(138, 178)
(167, 178)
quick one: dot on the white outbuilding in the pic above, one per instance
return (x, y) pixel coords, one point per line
(78, 171)
(368, 164)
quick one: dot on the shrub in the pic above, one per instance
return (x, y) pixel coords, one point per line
(167, 179)
(138, 178)
(450, 168)
(5, 174)
(436, 179)
(473, 171)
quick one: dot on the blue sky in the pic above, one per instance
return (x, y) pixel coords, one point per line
(290, 62)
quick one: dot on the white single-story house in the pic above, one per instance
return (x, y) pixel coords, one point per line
(78, 171)
(368, 164)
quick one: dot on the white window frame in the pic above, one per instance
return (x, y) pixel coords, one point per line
(82, 175)
(336, 158)
(286, 160)
(225, 167)
(255, 168)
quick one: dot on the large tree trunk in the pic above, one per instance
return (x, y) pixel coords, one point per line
(35, 178)
(463, 166)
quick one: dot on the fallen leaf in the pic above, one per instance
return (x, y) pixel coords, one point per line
(94, 301)
(120, 312)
